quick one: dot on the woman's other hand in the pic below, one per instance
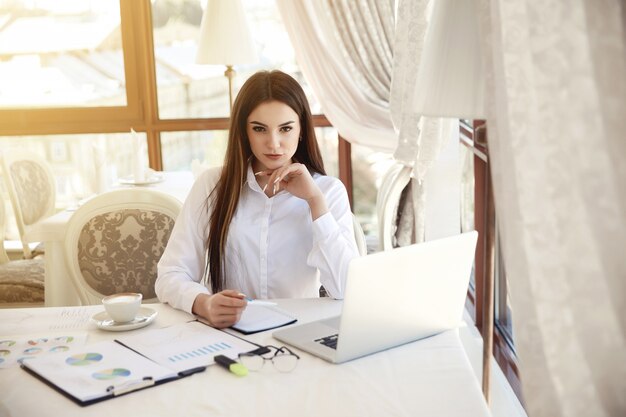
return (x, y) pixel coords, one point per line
(222, 309)
(296, 179)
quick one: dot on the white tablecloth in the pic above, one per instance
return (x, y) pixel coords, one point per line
(431, 377)
(60, 289)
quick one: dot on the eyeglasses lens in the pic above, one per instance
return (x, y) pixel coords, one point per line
(252, 362)
(285, 362)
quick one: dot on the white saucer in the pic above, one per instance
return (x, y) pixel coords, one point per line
(145, 316)
(152, 179)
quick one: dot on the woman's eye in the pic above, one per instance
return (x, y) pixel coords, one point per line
(286, 128)
(257, 129)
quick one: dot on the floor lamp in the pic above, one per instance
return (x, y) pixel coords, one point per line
(450, 83)
(225, 39)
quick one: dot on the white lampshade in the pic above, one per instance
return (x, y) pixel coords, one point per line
(450, 81)
(224, 35)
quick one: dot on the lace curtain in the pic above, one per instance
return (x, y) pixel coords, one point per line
(556, 117)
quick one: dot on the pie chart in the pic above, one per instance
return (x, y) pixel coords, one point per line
(83, 359)
(110, 373)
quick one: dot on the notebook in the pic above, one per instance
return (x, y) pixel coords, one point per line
(392, 298)
(257, 318)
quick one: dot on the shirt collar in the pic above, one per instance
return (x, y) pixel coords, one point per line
(251, 179)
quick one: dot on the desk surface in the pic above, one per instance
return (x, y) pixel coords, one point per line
(431, 377)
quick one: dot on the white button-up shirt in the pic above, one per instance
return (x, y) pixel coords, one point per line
(274, 249)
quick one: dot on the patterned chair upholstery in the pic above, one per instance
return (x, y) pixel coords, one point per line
(21, 282)
(32, 190)
(115, 240)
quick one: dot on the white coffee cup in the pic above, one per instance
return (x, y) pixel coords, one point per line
(122, 307)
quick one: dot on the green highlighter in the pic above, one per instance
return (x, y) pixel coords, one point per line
(233, 366)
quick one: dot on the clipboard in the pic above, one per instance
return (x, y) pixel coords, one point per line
(110, 369)
(99, 371)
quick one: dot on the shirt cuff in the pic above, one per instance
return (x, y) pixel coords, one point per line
(190, 296)
(324, 226)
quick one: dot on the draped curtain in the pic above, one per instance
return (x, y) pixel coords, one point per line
(348, 66)
(556, 88)
(361, 61)
(556, 92)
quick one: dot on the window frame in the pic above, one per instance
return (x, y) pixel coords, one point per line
(473, 135)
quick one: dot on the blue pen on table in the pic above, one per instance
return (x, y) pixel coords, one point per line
(260, 302)
(257, 302)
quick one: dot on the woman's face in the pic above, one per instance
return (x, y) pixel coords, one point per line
(274, 131)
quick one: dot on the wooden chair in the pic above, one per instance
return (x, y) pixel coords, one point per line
(21, 281)
(32, 191)
(114, 241)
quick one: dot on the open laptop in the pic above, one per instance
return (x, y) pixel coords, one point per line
(392, 298)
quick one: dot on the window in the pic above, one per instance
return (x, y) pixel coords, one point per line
(122, 64)
(478, 212)
(61, 54)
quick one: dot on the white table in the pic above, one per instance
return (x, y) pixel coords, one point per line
(431, 377)
(60, 288)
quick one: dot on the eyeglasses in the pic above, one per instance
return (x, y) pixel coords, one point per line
(283, 359)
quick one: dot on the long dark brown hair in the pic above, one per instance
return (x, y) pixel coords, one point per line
(261, 87)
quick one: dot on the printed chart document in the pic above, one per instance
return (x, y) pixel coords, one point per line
(98, 371)
(257, 318)
(15, 350)
(186, 346)
(108, 369)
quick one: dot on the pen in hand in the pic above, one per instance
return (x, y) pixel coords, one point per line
(258, 302)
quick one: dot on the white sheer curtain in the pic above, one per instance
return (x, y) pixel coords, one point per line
(557, 121)
(360, 61)
(339, 74)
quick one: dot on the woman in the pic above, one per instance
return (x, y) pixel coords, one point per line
(269, 223)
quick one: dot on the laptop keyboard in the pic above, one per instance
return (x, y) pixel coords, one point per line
(330, 341)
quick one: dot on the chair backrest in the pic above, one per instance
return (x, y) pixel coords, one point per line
(114, 241)
(359, 236)
(387, 200)
(22, 282)
(4, 258)
(32, 190)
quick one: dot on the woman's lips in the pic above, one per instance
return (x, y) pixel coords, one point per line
(273, 156)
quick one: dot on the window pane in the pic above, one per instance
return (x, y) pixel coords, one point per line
(74, 158)
(194, 151)
(467, 197)
(328, 141)
(503, 309)
(467, 188)
(188, 90)
(202, 149)
(368, 168)
(61, 54)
